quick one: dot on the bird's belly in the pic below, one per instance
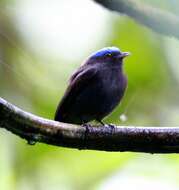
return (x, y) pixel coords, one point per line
(97, 100)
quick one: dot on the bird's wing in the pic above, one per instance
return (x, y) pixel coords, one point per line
(79, 80)
(76, 73)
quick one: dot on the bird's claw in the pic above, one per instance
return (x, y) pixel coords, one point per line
(86, 126)
(112, 127)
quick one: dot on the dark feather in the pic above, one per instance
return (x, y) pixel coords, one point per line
(78, 82)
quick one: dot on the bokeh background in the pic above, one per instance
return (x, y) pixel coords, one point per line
(42, 42)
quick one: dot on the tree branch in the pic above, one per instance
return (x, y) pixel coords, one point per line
(158, 20)
(136, 139)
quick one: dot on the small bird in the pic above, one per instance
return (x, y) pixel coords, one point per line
(95, 89)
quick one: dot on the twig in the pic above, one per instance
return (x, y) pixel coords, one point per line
(158, 20)
(136, 139)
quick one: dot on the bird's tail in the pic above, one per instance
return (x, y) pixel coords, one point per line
(58, 116)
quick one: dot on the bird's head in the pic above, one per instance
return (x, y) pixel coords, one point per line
(107, 55)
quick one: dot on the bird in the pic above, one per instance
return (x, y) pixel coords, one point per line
(95, 89)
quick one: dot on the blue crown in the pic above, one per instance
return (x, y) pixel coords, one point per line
(104, 51)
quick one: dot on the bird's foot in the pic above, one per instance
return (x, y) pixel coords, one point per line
(112, 128)
(103, 124)
(86, 126)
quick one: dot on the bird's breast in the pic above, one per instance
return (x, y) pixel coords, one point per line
(113, 85)
(113, 81)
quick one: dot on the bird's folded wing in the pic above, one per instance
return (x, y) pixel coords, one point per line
(78, 82)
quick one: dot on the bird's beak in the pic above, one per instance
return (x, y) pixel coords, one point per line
(124, 54)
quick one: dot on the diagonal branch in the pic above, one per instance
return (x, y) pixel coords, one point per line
(158, 20)
(137, 139)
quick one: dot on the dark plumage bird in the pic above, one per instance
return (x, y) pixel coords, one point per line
(95, 89)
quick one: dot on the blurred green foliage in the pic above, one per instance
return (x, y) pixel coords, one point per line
(36, 84)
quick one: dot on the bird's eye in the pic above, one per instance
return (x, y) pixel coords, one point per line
(108, 54)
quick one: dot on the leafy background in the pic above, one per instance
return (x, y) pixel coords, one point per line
(41, 44)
